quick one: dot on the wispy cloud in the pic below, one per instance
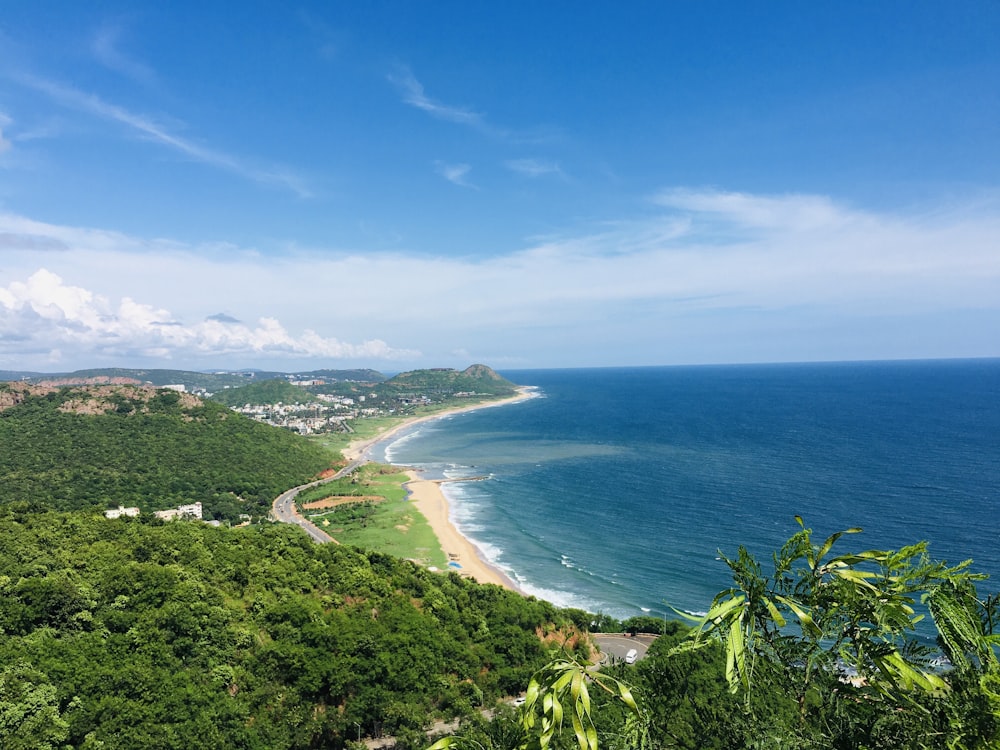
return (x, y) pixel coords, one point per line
(4, 123)
(151, 130)
(413, 94)
(534, 167)
(105, 46)
(455, 173)
(705, 271)
(325, 37)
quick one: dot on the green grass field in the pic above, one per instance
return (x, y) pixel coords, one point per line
(392, 525)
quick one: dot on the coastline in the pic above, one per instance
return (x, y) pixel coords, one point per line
(463, 556)
(430, 501)
(356, 450)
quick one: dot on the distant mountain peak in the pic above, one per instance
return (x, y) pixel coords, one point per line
(483, 372)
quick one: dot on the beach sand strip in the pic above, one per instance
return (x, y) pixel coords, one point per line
(427, 497)
(430, 501)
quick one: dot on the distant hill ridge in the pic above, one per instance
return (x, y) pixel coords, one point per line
(479, 379)
(208, 381)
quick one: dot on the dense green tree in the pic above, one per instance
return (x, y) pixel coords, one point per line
(30, 716)
(137, 634)
(76, 448)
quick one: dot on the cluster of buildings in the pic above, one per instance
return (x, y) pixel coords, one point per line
(328, 413)
(190, 512)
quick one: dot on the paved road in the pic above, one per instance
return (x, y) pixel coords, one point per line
(614, 646)
(283, 507)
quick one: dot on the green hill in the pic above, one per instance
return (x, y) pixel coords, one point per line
(98, 447)
(477, 379)
(128, 634)
(273, 391)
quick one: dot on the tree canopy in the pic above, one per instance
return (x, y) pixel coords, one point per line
(73, 448)
(143, 634)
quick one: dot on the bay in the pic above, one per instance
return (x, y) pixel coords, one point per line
(614, 489)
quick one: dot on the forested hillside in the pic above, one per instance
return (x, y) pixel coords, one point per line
(478, 379)
(274, 391)
(99, 447)
(127, 634)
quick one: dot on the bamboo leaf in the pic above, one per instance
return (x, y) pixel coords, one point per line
(775, 614)
(719, 611)
(831, 541)
(805, 619)
(581, 735)
(626, 695)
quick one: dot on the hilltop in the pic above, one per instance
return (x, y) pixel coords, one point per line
(103, 446)
(478, 380)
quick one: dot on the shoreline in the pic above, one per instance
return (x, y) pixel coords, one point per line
(357, 449)
(431, 502)
(464, 557)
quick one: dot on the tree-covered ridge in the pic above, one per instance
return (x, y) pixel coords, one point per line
(71, 448)
(207, 381)
(274, 391)
(128, 634)
(478, 379)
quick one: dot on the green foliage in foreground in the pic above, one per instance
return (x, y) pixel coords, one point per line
(768, 666)
(122, 634)
(150, 452)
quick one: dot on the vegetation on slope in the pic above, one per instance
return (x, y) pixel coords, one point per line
(132, 634)
(72, 448)
(477, 379)
(275, 391)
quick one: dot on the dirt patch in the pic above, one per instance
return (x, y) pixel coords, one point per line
(334, 500)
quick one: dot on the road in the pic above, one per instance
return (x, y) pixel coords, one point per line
(614, 646)
(283, 507)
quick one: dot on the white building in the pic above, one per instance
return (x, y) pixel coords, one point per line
(192, 511)
(121, 511)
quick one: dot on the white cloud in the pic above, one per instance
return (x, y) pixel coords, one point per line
(454, 173)
(786, 212)
(105, 47)
(534, 167)
(704, 269)
(45, 314)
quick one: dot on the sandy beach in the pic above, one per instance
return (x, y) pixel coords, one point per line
(428, 498)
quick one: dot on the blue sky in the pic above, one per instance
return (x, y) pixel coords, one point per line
(419, 184)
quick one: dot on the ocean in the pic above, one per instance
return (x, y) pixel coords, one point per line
(615, 489)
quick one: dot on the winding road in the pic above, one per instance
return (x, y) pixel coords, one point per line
(283, 507)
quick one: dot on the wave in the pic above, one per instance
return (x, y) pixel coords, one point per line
(390, 449)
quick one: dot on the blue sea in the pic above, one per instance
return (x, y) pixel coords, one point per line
(614, 490)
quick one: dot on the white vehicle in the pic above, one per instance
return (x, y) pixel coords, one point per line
(631, 656)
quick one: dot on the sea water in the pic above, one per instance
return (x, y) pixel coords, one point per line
(615, 490)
